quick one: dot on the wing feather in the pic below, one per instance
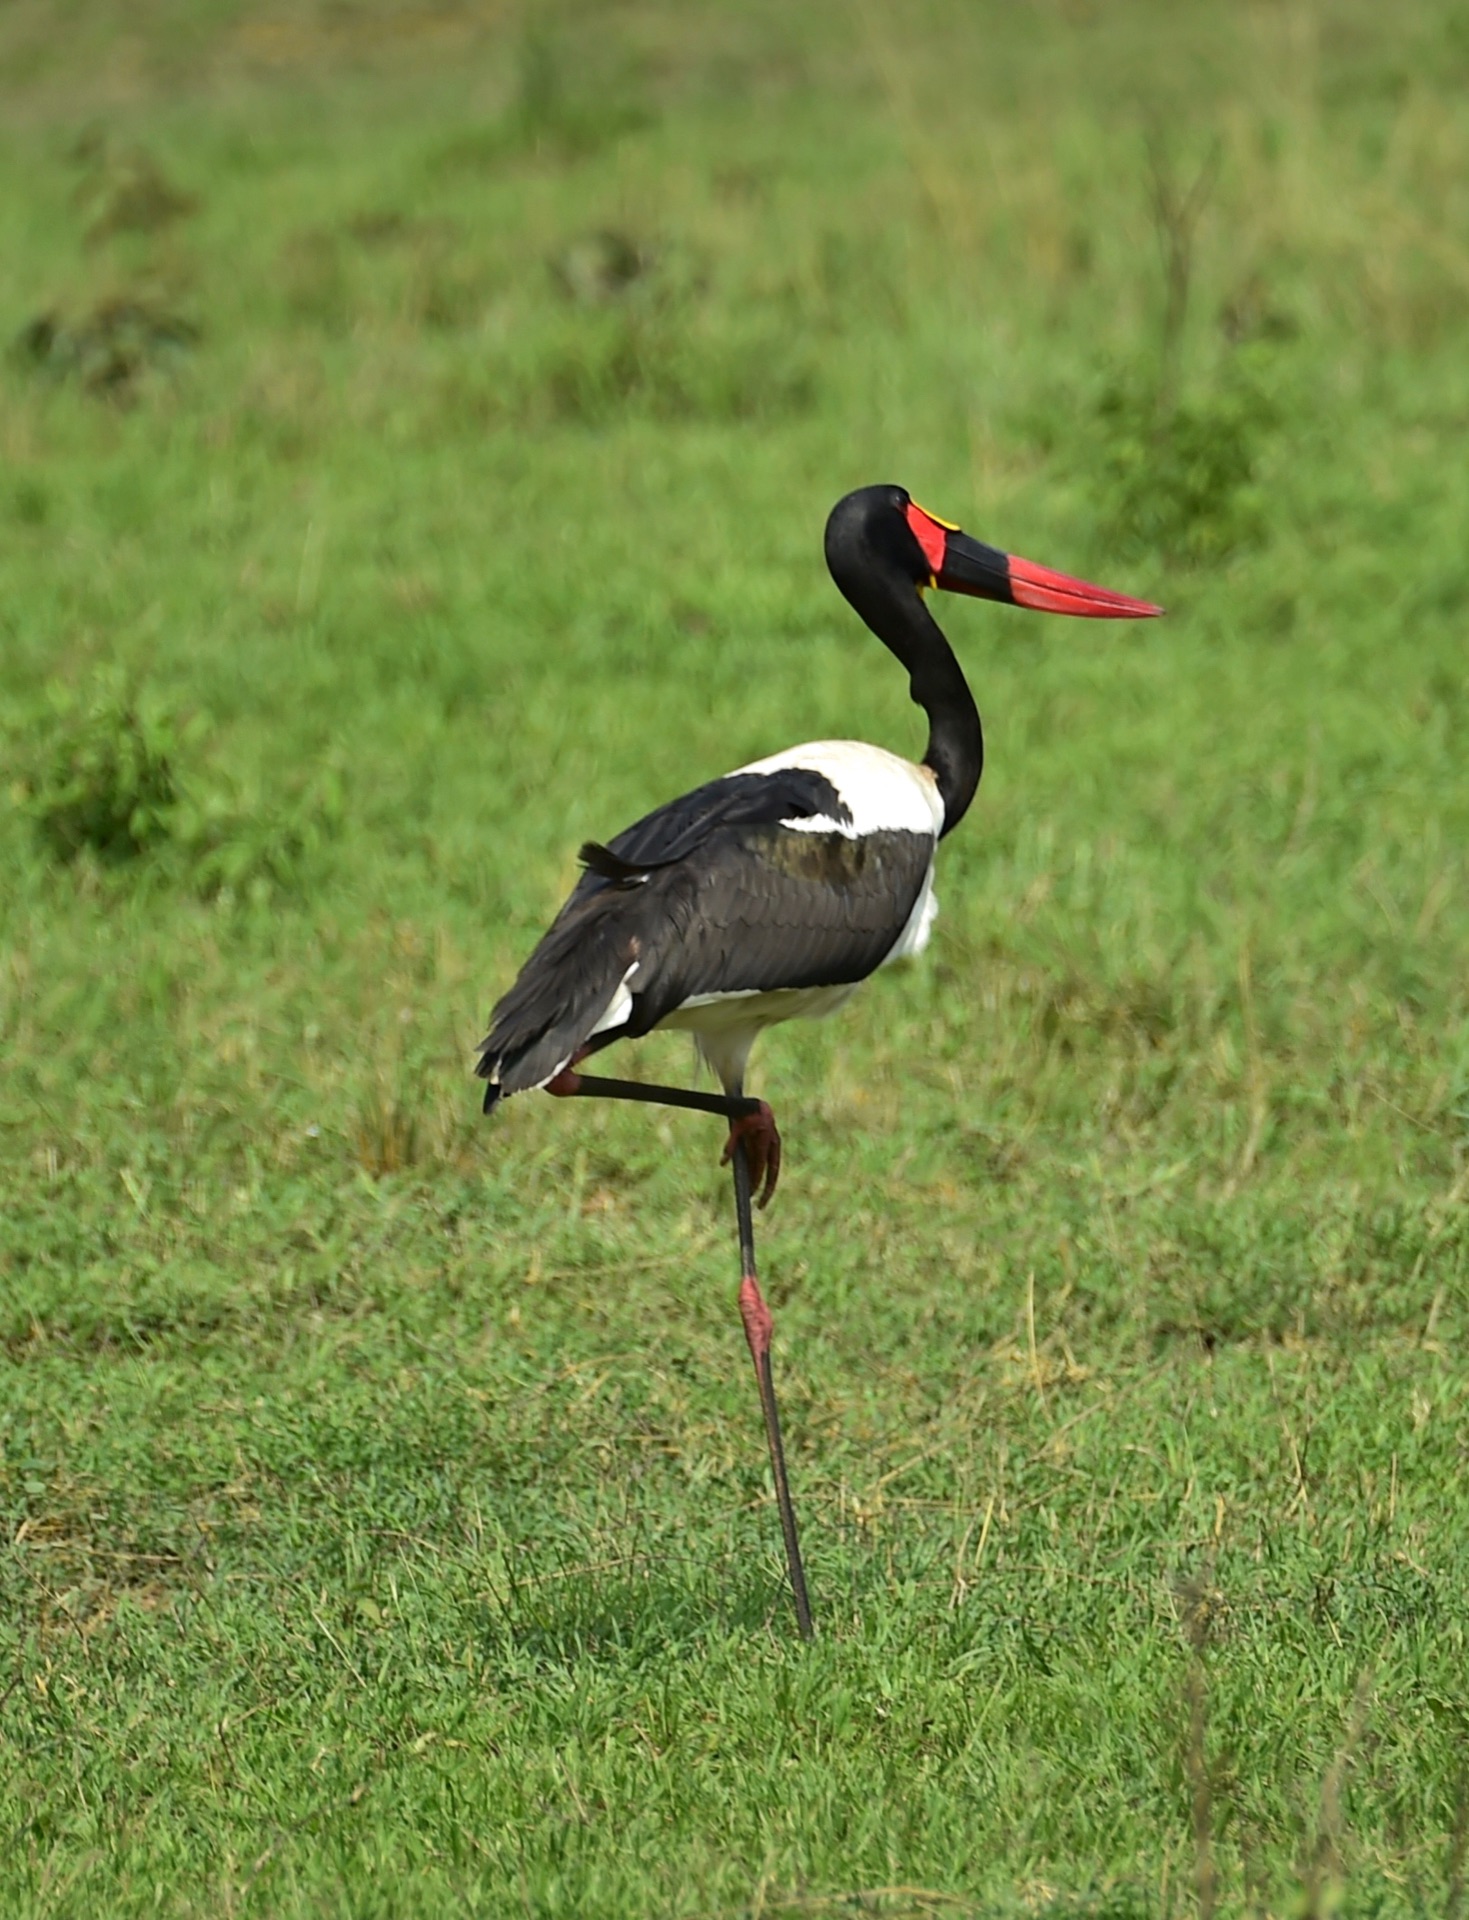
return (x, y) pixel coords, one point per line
(708, 895)
(758, 909)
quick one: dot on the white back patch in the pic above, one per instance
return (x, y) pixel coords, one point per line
(882, 791)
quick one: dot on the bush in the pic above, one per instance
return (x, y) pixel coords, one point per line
(110, 349)
(104, 779)
(108, 779)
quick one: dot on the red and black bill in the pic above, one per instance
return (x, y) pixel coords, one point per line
(963, 565)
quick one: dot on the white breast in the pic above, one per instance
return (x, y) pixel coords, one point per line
(882, 791)
(914, 937)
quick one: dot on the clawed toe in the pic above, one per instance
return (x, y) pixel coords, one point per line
(761, 1139)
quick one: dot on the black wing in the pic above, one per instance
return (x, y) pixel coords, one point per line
(759, 908)
(709, 894)
(674, 831)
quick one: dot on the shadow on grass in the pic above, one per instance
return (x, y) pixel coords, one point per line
(628, 1614)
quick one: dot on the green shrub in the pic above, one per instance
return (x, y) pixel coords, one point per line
(109, 776)
(103, 779)
(109, 349)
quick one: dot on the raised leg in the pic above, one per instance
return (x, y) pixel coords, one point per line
(571, 1085)
(758, 1327)
(750, 1120)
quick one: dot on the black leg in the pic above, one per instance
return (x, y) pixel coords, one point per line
(758, 1327)
(748, 1119)
(569, 1085)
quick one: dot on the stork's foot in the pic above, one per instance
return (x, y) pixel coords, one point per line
(762, 1148)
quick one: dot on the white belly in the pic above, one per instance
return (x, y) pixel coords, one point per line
(726, 1025)
(715, 1013)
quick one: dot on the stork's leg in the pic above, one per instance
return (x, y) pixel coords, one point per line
(758, 1328)
(751, 1125)
(750, 1120)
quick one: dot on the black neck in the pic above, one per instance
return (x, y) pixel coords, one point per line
(891, 606)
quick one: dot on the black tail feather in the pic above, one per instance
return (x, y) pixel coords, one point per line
(608, 865)
(562, 991)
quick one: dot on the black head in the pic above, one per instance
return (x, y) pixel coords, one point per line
(869, 530)
(880, 538)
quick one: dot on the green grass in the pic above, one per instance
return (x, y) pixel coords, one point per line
(413, 458)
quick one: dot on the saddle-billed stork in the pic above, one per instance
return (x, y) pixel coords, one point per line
(770, 894)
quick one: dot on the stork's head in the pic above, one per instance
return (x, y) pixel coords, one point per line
(883, 531)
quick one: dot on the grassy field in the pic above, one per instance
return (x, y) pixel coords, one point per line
(415, 441)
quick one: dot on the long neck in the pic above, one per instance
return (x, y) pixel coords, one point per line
(896, 614)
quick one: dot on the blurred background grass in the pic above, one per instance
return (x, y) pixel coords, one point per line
(416, 430)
